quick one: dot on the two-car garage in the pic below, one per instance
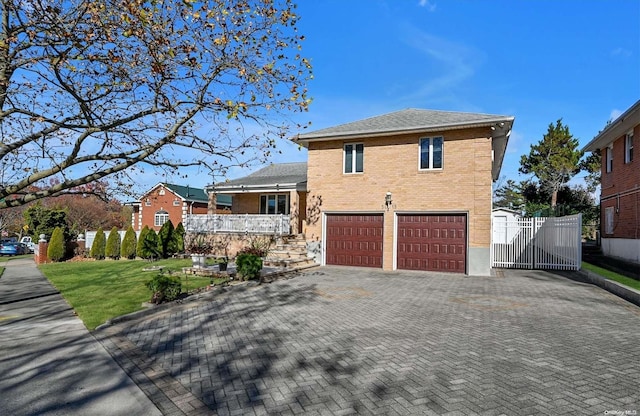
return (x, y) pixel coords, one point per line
(422, 241)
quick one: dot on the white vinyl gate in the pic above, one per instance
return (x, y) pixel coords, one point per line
(537, 243)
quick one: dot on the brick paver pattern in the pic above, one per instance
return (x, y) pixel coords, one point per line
(339, 341)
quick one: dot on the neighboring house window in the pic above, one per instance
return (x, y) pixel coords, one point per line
(176, 203)
(608, 220)
(431, 152)
(609, 159)
(628, 148)
(354, 158)
(274, 204)
(160, 218)
(147, 202)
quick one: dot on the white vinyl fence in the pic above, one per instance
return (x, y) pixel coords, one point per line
(246, 223)
(538, 243)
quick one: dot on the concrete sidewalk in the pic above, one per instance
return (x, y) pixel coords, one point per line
(49, 362)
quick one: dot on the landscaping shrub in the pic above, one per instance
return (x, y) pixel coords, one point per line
(149, 249)
(113, 244)
(98, 247)
(248, 265)
(56, 248)
(166, 242)
(178, 236)
(141, 237)
(165, 288)
(129, 244)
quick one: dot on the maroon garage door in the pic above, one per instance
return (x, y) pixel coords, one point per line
(432, 242)
(354, 240)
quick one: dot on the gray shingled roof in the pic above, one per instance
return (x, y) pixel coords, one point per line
(275, 174)
(408, 120)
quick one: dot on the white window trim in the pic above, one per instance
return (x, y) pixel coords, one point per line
(628, 150)
(287, 204)
(609, 159)
(430, 139)
(353, 158)
(162, 214)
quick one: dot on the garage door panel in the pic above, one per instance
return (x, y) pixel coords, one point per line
(354, 240)
(431, 242)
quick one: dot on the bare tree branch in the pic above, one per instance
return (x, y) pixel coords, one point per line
(92, 89)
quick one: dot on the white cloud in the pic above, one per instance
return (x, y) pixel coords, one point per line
(428, 4)
(615, 113)
(452, 62)
(625, 53)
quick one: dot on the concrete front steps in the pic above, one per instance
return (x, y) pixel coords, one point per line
(289, 252)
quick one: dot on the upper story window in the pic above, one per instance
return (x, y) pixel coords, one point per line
(354, 158)
(147, 202)
(274, 204)
(609, 160)
(628, 147)
(431, 153)
(160, 218)
(176, 202)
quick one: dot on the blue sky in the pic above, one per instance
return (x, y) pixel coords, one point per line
(537, 60)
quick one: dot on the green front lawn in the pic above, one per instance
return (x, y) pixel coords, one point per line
(608, 274)
(101, 290)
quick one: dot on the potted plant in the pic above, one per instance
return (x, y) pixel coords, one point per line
(199, 246)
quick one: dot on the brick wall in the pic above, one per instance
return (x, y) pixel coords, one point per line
(155, 201)
(621, 190)
(391, 165)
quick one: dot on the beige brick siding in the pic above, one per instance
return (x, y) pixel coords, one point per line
(391, 165)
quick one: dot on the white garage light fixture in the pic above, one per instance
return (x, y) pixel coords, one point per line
(387, 200)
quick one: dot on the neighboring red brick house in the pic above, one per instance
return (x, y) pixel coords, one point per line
(620, 183)
(166, 202)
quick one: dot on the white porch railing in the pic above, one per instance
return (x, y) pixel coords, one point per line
(244, 223)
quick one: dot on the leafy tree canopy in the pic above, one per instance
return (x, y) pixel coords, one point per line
(107, 88)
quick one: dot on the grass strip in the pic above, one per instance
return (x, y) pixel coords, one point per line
(101, 290)
(608, 274)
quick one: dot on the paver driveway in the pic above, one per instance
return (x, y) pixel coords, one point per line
(344, 340)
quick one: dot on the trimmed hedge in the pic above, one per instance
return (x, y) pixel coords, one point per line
(113, 244)
(98, 247)
(57, 247)
(129, 243)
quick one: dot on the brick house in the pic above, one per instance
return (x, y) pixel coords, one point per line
(405, 190)
(172, 202)
(620, 185)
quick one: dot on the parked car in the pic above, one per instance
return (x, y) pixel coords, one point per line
(12, 249)
(31, 246)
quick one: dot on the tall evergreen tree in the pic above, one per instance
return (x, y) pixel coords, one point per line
(57, 246)
(554, 160)
(98, 247)
(113, 244)
(165, 240)
(141, 238)
(150, 245)
(129, 244)
(178, 235)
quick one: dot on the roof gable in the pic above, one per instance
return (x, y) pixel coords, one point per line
(278, 175)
